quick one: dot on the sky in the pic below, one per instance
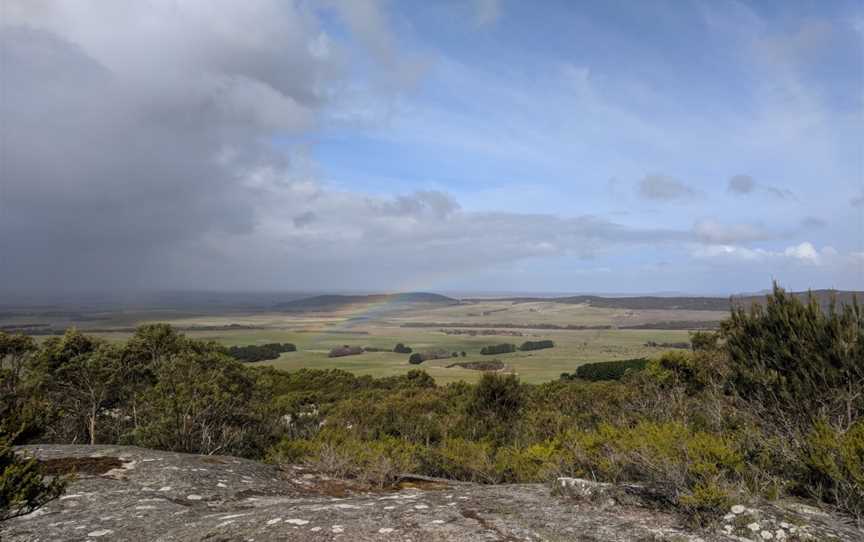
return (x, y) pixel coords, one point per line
(689, 146)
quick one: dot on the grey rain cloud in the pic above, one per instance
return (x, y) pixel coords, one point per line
(140, 158)
(139, 154)
(743, 185)
(665, 188)
(304, 219)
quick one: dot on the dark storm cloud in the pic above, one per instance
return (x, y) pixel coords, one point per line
(111, 158)
(138, 152)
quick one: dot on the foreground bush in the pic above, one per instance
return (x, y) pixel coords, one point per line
(798, 363)
(23, 489)
(835, 466)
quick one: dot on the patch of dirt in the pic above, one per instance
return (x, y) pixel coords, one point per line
(79, 465)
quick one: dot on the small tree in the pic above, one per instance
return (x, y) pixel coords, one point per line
(23, 489)
(88, 382)
(416, 358)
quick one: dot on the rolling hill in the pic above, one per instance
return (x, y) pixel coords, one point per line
(333, 302)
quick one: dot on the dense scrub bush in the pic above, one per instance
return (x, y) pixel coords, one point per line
(606, 370)
(798, 363)
(253, 352)
(834, 463)
(493, 349)
(704, 341)
(691, 468)
(536, 345)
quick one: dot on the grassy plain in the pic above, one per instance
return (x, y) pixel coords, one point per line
(382, 327)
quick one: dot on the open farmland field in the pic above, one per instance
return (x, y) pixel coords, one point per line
(572, 349)
(455, 327)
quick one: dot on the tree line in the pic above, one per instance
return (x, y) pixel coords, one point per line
(253, 352)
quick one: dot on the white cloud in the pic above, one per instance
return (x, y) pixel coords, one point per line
(712, 232)
(804, 253)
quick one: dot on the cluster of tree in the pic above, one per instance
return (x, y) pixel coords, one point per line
(769, 406)
(344, 350)
(255, 352)
(536, 345)
(503, 348)
(606, 370)
(402, 349)
(419, 357)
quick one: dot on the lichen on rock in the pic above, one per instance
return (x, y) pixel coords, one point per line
(181, 497)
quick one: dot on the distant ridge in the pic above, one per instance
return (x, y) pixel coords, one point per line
(695, 303)
(332, 302)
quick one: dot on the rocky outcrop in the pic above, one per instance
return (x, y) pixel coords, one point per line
(134, 494)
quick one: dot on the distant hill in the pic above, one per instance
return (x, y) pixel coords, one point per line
(336, 302)
(681, 302)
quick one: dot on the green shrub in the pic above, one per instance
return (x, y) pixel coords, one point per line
(463, 459)
(835, 466)
(23, 489)
(796, 362)
(379, 462)
(537, 462)
(291, 451)
(675, 460)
